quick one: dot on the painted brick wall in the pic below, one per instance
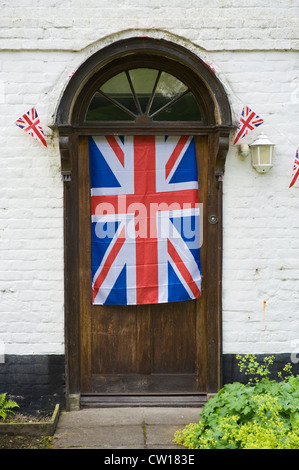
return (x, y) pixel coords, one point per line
(31, 226)
(215, 25)
(255, 53)
(261, 257)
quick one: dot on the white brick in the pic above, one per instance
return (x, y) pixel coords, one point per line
(219, 25)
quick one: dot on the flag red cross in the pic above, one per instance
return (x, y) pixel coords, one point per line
(30, 123)
(33, 125)
(249, 120)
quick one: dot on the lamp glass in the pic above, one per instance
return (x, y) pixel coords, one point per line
(265, 154)
(262, 153)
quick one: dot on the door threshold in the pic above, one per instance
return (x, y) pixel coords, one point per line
(150, 400)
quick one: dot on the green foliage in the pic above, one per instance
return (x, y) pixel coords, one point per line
(253, 367)
(262, 414)
(6, 406)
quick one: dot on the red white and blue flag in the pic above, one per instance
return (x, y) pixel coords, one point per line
(30, 123)
(249, 120)
(295, 169)
(145, 219)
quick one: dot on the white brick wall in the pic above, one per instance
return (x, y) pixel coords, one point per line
(261, 257)
(255, 53)
(214, 25)
(31, 216)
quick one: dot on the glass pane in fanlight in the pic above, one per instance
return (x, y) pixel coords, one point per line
(101, 109)
(185, 108)
(118, 88)
(168, 88)
(143, 81)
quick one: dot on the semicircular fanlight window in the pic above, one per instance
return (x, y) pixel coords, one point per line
(143, 92)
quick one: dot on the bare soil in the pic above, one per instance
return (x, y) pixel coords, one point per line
(8, 441)
(25, 442)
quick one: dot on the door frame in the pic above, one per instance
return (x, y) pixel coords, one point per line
(216, 128)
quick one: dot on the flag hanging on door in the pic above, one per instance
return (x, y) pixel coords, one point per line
(145, 219)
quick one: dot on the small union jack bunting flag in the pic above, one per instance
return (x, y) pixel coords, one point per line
(30, 123)
(295, 169)
(249, 120)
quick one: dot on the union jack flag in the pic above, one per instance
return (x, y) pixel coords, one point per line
(249, 120)
(295, 169)
(145, 219)
(30, 123)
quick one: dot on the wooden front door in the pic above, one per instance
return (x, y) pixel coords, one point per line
(142, 86)
(139, 349)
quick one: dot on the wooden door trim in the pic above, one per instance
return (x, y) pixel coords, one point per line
(69, 109)
(201, 144)
(84, 274)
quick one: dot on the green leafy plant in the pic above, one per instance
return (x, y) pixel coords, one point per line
(251, 366)
(261, 414)
(6, 406)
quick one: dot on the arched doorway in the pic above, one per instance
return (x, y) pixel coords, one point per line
(133, 94)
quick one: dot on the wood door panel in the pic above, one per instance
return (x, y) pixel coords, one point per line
(173, 337)
(121, 342)
(144, 383)
(114, 341)
(158, 339)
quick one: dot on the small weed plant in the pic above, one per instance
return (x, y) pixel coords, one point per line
(6, 406)
(262, 414)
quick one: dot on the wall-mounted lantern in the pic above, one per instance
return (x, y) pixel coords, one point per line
(262, 154)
